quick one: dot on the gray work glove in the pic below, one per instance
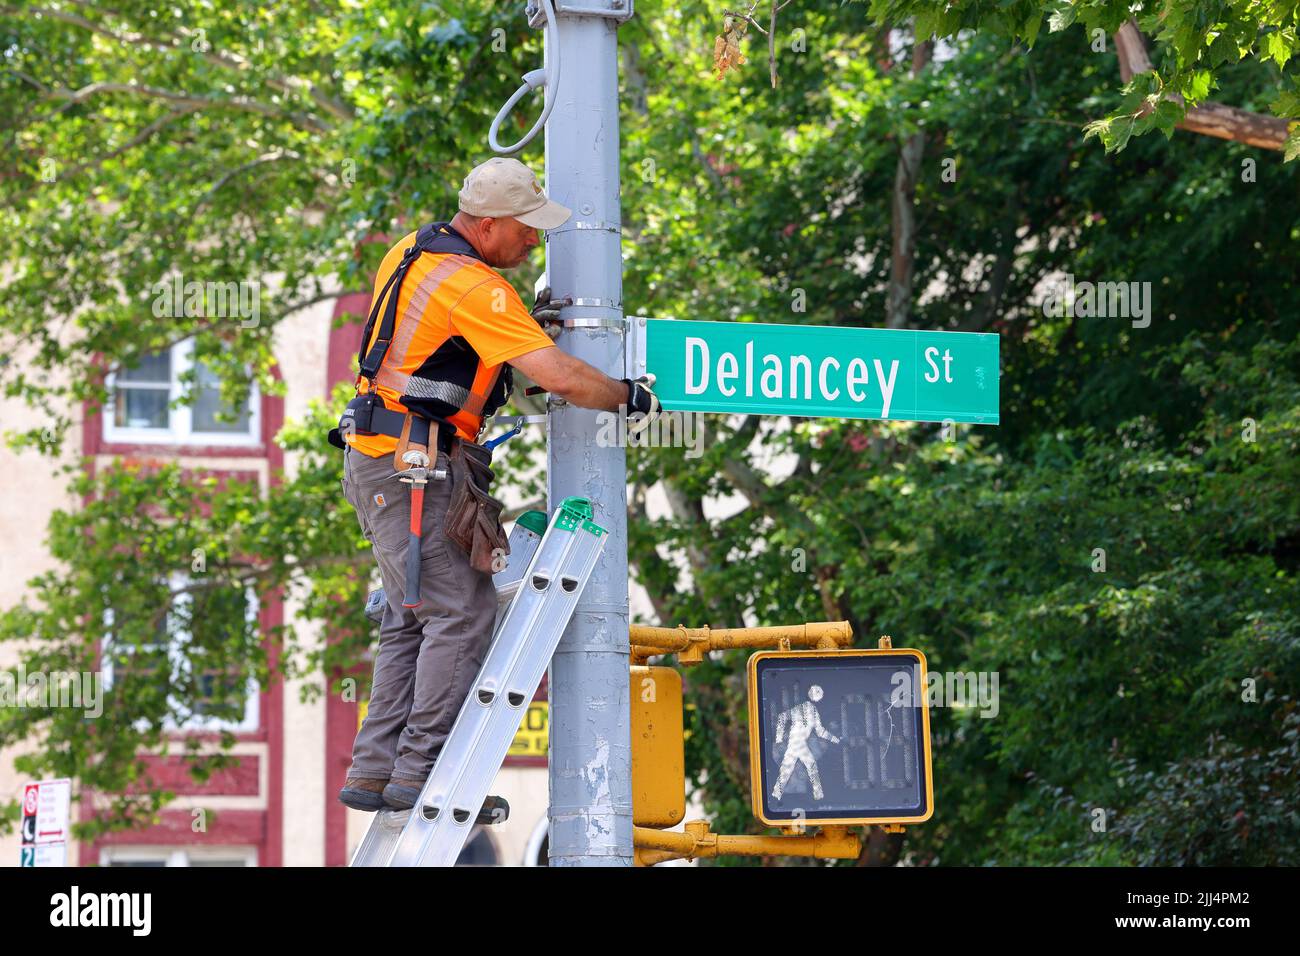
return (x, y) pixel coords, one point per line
(547, 311)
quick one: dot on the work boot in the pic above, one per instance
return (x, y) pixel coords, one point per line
(363, 793)
(401, 797)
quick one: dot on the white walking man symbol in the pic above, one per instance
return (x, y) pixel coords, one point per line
(801, 721)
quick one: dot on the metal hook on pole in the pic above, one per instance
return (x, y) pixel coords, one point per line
(548, 78)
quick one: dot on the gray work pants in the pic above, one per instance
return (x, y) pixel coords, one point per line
(428, 656)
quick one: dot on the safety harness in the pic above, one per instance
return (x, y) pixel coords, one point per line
(366, 414)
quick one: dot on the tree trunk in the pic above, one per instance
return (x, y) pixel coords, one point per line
(898, 306)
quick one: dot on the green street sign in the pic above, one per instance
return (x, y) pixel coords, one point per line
(824, 371)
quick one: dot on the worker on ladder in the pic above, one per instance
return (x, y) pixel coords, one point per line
(444, 330)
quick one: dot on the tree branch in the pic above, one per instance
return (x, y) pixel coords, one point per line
(1210, 118)
(144, 135)
(233, 61)
(262, 160)
(243, 103)
(771, 43)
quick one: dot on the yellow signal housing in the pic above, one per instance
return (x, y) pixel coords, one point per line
(658, 757)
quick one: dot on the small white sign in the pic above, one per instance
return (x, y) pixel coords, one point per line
(52, 803)
(46, 806)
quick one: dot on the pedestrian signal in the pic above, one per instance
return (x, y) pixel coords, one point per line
(839, 737)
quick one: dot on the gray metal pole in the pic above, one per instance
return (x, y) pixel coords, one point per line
(590, 720)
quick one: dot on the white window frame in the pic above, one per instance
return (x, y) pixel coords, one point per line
(178, 661)
(176, 855)
(180, 430)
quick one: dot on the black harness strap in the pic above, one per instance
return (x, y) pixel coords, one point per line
(437, 238)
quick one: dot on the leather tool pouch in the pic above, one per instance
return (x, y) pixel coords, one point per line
(474, 517)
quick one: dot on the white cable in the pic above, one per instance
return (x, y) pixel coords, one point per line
(548, 78)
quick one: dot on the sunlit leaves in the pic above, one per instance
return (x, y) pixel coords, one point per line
(1200, 41)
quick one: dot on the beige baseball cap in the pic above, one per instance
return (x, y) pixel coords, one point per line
(506, 187)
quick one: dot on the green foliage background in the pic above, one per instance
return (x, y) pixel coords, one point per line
(302, 128)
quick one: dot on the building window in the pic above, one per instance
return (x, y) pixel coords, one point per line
(222, 695)
(178, 856)
(141, 411)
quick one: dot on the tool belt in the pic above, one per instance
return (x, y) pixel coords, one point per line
(366, 415)
(473, 519)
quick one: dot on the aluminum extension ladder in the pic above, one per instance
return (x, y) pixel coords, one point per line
(537, 593)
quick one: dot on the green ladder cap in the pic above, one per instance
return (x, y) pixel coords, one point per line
(581, 507)
(575, 511)
(534, 521)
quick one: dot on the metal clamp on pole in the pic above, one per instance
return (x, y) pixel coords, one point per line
(584, 225)
(610, 9)
(589, 322)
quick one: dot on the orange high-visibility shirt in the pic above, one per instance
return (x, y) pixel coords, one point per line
(444, 296)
